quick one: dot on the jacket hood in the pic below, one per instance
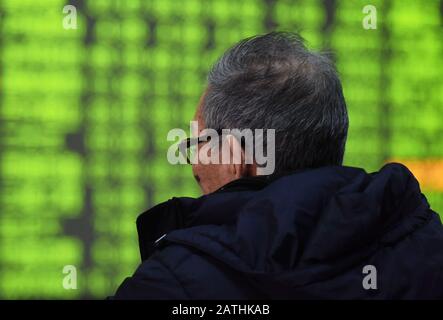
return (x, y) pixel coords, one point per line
(294, 230)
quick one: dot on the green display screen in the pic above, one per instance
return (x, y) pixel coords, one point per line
(84, 115)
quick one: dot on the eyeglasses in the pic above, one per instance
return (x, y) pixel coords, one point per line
(189, 146)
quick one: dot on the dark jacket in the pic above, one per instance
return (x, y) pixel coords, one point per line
(306, 235)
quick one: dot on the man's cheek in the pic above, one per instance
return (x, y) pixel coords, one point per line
(194, 170)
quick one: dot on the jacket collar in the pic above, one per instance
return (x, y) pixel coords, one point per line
(180, 213)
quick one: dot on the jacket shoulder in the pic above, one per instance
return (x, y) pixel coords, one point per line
(181, 272)
(155, 279)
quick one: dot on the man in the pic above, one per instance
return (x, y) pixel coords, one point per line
(313, 229)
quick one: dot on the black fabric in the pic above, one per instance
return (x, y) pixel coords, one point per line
(306, 235)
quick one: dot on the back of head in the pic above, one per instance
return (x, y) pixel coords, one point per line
(273, 81)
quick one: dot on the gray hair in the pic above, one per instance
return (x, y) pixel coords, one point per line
(273, 81)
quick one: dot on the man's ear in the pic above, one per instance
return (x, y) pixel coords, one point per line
(237, 165)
